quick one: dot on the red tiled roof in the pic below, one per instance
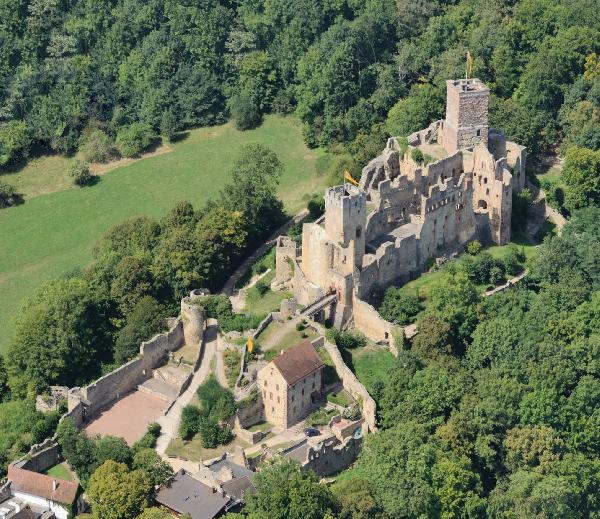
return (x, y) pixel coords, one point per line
(298, 362)
(41, 485)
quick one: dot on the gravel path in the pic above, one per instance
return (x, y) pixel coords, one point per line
(229, 286)
(170, 422)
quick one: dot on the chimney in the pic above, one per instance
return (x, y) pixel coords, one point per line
(54, 485)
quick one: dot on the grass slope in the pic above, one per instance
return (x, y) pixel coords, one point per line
(54, 233)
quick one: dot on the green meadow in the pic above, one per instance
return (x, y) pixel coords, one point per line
(54, 233)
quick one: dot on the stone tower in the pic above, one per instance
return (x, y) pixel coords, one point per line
(466, 123)
(346, 218)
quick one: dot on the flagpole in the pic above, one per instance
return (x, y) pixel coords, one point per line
(467, 67)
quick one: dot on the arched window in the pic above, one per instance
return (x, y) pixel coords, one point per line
(482, 204)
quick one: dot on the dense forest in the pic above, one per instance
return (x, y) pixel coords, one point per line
(112, 75)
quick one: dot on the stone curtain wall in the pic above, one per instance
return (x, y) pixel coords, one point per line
(369, 322)
(353, 386)
(111, 387)
(41, 456)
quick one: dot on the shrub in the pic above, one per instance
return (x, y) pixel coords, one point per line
(474, 247)
(399, 307)
(417, 155)
(481, 268)
(8, 195)
(514, 260)
(189, 423)
(346, 340)
(351, 412)
(300, 326)
(215, 400)
(497, 274)
(262, 287)
(80, 173)
(244, 111)
(97, 147)
(135, 138)
(214, 434)
(316, 207)
(270, 355)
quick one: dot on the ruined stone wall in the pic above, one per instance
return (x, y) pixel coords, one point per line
(448, 167)
(253, 413)
(447, 218)
(354, 387)
(515, 154)
(368, 321)
(426, 136)
(516, 157)
(333, 456)
(492, 194)
(396, 201)
(286, 254)
(88, 401)
(305, 291)
(384, 166)
(41, 456)
(393, 263)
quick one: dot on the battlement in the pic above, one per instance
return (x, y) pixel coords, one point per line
(338, 195)
(467, 86)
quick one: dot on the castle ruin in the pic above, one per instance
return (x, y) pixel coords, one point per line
(408, 208)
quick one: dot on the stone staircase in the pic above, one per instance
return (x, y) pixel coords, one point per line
(165, 383)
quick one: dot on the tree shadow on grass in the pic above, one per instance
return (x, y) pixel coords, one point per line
(180, 137)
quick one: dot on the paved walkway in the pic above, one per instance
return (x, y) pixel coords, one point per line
(229, 286)
(170, 422)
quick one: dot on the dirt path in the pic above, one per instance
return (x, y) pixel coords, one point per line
(170, 422)
(100, 169)
(281, 331)
(238, 299)
(229, 286)
(220, 368)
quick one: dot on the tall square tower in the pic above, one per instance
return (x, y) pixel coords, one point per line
(466, 123)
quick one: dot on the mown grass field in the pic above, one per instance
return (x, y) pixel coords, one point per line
(54, 233)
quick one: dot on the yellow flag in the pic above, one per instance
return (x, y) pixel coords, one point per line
(348, 177)
(469, 64)
(250, 344)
